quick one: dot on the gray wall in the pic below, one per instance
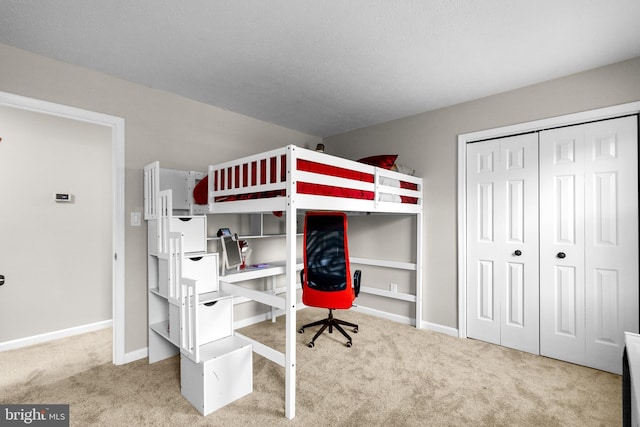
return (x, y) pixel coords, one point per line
(428, 143)
(180, 133)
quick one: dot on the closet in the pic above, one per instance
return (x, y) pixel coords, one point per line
(552, 241)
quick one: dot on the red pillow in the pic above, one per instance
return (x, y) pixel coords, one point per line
(201, 191)
(385, 161)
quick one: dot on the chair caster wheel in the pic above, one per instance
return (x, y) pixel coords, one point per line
(301, 331)
(348, 344)
(311, 345)
(355, 330)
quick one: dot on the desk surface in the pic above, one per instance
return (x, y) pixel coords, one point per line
(257, 271)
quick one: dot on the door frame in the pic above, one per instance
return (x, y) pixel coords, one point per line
(532, 126)
(117, 194)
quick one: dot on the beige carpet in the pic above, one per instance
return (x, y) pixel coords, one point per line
(394, 375)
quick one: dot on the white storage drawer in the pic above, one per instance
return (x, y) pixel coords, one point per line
(192, 228)
(224, 374)
(204, 269)
(194, 232)
(215, 320)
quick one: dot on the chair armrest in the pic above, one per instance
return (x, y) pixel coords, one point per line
(356, 281)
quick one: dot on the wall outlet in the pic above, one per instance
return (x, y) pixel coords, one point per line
(393, 287)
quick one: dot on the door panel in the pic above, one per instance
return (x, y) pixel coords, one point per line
(515, 212)
(515, 294)
(485, 291)
(606, 306)
(482, 297)
(589, 187)
(611, 239)
(565, 209)
(566, 297)
(562, 332)
(502, 283)
(520, 298)
(485, 212)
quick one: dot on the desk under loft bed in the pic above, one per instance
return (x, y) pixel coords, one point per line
(286, 181)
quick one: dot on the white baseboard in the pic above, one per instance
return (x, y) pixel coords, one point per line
(384, 315)
(447, 330)
(50, 336)
(136, 355)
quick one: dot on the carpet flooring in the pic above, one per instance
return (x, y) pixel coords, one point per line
(394, 375)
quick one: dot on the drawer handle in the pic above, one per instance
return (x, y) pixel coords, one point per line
(210, 304)
(184, 219)
(197, 258)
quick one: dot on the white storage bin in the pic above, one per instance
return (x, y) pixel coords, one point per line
(192, 228)
(224, 374)
(215, 320)
(204, 269)
(194, 232)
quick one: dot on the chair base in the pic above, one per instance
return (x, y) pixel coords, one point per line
(330, 322)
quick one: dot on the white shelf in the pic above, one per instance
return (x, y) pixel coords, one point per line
(162, 329)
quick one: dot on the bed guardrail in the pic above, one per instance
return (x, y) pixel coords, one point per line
(259, 173)
(266, 174)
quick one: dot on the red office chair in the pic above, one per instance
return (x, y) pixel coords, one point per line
(326, 277)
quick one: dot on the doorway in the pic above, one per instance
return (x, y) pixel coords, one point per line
(115, 134)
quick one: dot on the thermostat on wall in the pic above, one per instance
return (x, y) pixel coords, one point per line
(63, 197)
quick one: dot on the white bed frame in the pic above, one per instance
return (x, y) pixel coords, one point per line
(292, 204)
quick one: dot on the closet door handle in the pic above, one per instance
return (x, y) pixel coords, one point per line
(518, 252)
(561, 255)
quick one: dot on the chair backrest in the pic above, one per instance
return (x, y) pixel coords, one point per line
(326, 278)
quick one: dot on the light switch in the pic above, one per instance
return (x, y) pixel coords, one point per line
(136, 218)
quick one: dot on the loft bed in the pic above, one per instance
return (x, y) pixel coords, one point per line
(289, 181)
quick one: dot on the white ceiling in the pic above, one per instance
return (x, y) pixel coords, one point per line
(325, 67)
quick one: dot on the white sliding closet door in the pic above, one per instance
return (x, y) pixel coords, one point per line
(589, 241)
(502, 239)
